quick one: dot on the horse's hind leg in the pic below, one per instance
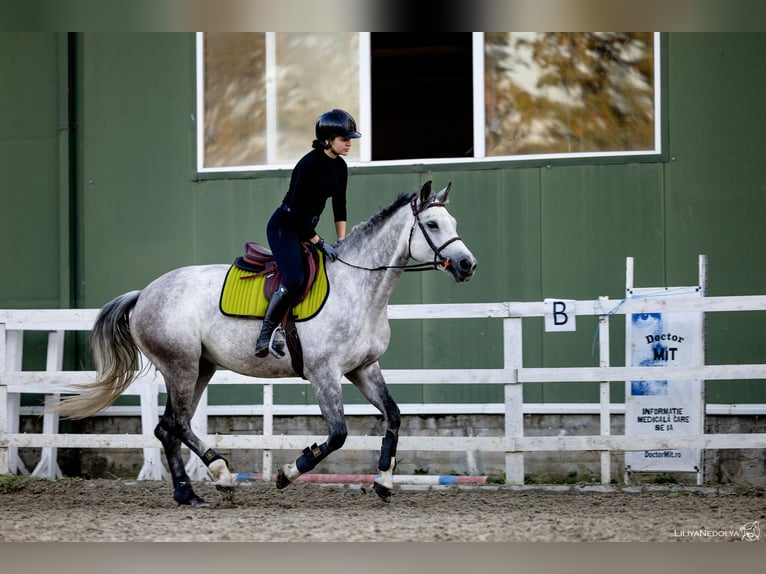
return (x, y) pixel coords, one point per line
(174, 428)
(171, 444)
(369, 380)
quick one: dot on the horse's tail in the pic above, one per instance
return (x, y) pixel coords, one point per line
(116, 358)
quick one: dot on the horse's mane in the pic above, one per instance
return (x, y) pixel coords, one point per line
(367, 227)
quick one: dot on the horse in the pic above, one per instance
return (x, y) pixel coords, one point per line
(176, 323)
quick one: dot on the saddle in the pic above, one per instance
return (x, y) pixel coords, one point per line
(254, 277)
(259, 261)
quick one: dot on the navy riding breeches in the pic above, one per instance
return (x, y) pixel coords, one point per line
(286, 246)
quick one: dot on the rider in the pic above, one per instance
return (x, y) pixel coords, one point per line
(320, 174)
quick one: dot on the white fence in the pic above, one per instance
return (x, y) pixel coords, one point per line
(511, 442)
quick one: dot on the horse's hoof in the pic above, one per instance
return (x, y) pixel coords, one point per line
(194, 501)
(184, 495)
(282, 480)
(225, 488)
(227, 494)
(383, 492)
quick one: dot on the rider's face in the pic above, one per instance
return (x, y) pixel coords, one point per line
(340, 145)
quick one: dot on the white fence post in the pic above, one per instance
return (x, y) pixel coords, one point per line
(4, 466)
(702, 282)
(514, 400)
(604, 399)
(152, 468)
(4, 407)
(48, 466)
(195, 468)
(268, 427)
(14, 353)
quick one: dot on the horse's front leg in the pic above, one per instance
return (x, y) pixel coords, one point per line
(330, 399)
(384, 482)
(369, 380)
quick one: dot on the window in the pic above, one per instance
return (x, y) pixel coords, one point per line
(258, 94)
(554, 93)
(429, 98)
(422, 96)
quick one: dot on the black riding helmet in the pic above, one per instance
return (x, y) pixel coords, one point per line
(336, 123)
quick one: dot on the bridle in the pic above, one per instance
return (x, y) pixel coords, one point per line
(439, 259)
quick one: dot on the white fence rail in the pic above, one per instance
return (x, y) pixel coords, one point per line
(511, 441)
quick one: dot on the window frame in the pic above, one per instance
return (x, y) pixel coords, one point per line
(479, 160)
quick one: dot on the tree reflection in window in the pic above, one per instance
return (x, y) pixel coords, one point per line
(569, 92)
(234, 99)
(264, 91)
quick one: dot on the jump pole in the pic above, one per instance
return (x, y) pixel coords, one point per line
(414, 479)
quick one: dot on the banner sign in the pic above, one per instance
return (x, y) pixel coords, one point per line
(664, 407)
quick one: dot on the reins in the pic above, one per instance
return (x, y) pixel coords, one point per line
(406, 267)
(439, 259)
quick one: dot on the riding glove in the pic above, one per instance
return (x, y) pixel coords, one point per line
(328, 249)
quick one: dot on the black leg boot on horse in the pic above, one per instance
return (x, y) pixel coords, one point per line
(275, 312)
(312, 455)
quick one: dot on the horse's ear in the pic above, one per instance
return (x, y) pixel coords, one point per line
(443, 195)
(425, 192)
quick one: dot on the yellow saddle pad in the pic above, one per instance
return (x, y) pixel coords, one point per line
(242, 294)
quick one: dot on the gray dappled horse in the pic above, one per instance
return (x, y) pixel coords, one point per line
(175, 321)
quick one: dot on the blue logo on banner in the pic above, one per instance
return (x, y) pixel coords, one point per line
(648, 388)
(649, 326)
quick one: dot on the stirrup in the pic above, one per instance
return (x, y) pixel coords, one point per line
(277, 343)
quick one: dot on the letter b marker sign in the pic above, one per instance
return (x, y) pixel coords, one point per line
(560, 315)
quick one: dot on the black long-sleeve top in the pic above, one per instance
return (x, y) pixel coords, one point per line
(315, 178)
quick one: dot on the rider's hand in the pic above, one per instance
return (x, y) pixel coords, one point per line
(328, 249)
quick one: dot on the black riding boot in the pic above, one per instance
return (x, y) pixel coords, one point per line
(280, 302)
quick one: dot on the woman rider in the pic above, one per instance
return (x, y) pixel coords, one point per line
(320, 174)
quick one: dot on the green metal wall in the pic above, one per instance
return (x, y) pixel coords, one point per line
(130, 202)
(33, 177)
(35, 181)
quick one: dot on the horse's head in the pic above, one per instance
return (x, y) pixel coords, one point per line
(434, 236)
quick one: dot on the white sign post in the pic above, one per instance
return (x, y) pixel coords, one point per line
(664, 407)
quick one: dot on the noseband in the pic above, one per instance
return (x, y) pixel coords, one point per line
(439, 259)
